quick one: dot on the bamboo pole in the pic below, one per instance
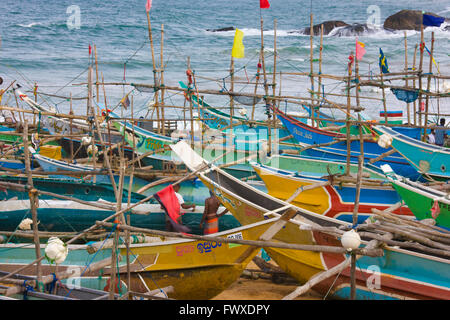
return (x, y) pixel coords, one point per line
(257, 243)
(116, 233)
(33, 202)
(408, 109)
(317, 278)
(319, 90)
(230, 130)
(154, 70)
(162, 80)
(384, 97)
(347, 169)
(71, 130)
(266, 89)
(258, 76)
(190, 103)
(311, 77)
(421, 47)
(96, 77)
(414, 85)
(428, 88)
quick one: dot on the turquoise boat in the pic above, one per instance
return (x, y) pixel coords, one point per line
(70, 216)
(87, 191)
(147, 142)
(429, 159)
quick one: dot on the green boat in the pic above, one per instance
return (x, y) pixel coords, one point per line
(425, 202)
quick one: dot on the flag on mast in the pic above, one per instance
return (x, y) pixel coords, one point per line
(383, 62)
(360, 51)
(148, 5)
(264, 4)
(238, 50)
(432, 21)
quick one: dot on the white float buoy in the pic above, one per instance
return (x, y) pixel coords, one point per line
(385, 141)
(25, 224)
(56, 251)
(351, 240)
(86, 141)
(89, 150)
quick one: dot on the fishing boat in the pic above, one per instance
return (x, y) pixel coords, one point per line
(211, 146)
(83, 190)
(335, 200)
(52, 165)
(70, 216)
(55, 291)
(196, 269)
(425, 202)
(319, 166)
(308, 136)
(402, 273)
(429, 159)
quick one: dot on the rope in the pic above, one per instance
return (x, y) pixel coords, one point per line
(27, 289)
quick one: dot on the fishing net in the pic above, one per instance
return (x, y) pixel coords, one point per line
(248, 101)
(143, 88)
(405, 95)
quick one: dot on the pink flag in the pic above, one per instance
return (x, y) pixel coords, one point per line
(264, 4)
(360, 51)
(148, 5)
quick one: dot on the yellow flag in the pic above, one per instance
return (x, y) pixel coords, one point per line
(238, 46)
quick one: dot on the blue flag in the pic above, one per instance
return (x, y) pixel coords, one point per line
(432, 21)
(383, 63)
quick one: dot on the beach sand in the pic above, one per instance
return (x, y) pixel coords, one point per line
(262, 289)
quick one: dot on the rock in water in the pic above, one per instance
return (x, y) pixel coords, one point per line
(405, 20)
(355, 29)
(221, 29)
(328, 26)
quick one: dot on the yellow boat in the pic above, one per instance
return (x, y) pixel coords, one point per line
(196, 269)
(249, 205)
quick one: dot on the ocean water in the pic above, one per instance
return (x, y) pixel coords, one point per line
(38, 46)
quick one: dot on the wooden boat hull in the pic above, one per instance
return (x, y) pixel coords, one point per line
(421, 199)
(428, 159)
(249, 205)
(68, 216)
(307, 135)
(87, 191)
(333, 201)
(147, 141)
(196, 269)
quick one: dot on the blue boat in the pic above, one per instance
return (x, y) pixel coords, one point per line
(307, 136)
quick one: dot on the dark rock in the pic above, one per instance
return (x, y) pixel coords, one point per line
(327, 27)
(355, 29)
(405, 20)
(221, 29)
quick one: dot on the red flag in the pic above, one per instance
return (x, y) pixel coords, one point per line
(264, 4)
(148, 5)
(90, 49)
(169, 201)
